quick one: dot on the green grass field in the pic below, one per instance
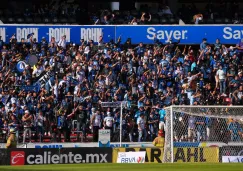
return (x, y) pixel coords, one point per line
(129, 167)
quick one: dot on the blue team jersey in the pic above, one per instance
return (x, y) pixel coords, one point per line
(162, 115)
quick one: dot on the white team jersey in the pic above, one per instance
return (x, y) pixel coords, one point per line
(97, 120)
(141, 122)
(108, 121)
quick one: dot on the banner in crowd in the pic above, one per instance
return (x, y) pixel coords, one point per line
(189, 34)
(131, 157)
(27, 156)
(45, 78)
(152, 155)
(192, 154)
(104, 138)
(231, 154)
(35, 88)
(73, 33)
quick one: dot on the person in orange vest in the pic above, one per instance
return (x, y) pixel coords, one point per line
(160, 140)
(12, 140)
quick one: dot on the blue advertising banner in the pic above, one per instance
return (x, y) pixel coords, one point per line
(189, 34)
(73, 33)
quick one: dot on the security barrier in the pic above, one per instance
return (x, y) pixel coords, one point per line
(230, 34)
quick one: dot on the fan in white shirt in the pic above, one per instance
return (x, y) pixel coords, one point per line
(62, 42)
(108, 121)
(37, 72)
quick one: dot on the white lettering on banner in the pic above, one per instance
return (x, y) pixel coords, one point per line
(229, 33)
(48, 158)
(166, 35)
(23, 33)
(232, 159)
(91, 34)
(58, 33)
(48, 146)
(3, 34)
(131, 157)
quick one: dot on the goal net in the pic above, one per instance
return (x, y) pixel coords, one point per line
(194, 133)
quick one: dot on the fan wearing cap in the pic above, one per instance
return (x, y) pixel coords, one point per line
(160, 140)
(12, 140)
(27, 120)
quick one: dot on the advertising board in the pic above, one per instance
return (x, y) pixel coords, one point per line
(152, 155)
(59, 156)
(226, 34)
(230, 34)
(181, 155)
(192, 154)
(231, 154)
(131, 157)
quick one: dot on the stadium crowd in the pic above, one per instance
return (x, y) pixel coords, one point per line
(63, 89)
(73, 12)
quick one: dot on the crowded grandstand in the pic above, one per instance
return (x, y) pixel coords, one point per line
(52, 87)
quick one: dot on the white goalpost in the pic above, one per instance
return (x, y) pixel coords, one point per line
(195, 132)
(118, 104)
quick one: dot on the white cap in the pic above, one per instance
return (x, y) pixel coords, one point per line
(46, 63)
(26, 112)
(86, 50)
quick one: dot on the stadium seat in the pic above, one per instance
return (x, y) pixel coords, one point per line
(121, 21)
(19, 20)
(46, 20)
(218, 21)
(55, 20)
(163, 21)
(63, 20)
(155, 21)
(172, 21)
(11, 20)
(37, 20)
(227, 21)
(72, 20)
(210, 21)
(28, 20)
